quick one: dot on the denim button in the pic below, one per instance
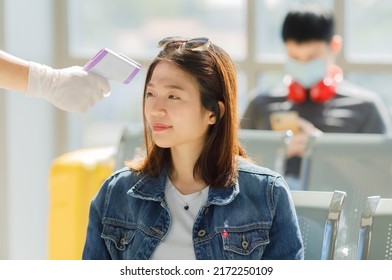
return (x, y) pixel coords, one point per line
(244, 243)
(201, 233)
(122, 241)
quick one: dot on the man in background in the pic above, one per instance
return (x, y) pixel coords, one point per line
(314, 89)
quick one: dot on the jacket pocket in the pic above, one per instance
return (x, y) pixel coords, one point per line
(245, 241)
(119, 235)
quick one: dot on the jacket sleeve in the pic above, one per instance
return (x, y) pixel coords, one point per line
(94, 247)
(285, 236)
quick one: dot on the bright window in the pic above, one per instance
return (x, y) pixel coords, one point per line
(134, 28)
(368, 27)
(250, 31)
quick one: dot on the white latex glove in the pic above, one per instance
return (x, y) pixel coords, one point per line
(71, 89)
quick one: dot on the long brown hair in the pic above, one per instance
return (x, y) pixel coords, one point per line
(216, 77)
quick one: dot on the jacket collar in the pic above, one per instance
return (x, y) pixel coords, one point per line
(153, 188)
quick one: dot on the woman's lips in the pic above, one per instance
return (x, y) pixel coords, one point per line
(160, 127)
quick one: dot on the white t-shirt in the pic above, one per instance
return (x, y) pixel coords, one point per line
(178, 244)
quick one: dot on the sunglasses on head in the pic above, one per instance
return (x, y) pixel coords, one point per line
(195, 44)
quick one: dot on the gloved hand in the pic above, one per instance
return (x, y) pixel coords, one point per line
(71, 89)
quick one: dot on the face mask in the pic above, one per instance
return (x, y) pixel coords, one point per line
(307, 73)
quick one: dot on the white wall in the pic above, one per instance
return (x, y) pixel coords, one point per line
(3, 194)
(27, 132)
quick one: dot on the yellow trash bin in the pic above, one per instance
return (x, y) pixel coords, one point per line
(74, 179)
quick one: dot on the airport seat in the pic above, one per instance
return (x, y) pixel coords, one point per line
(130, 145)
(318, 216)
(74, 179)
(375, 234)
(266, 147)
(358, 164)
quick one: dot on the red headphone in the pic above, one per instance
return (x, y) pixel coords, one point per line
(320, 92)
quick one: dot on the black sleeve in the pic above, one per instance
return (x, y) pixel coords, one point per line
(377, 120)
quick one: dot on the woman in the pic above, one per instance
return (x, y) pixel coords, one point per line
(194, 195)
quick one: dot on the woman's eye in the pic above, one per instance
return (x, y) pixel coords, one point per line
(149, 94)
(173, 97)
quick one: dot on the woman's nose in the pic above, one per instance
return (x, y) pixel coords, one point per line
(158, 109)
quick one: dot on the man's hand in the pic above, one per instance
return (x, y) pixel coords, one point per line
(297, 144)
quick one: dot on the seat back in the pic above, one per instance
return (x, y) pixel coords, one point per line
(318, 216)
(130, 145)
(74, 179)
(375, 234)
(358, 164)
(266, 147)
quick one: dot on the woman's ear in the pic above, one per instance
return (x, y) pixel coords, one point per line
(212, 119)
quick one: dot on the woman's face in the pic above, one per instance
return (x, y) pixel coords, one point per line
(173, 109)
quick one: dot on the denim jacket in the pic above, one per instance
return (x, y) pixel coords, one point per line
(253, 219)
